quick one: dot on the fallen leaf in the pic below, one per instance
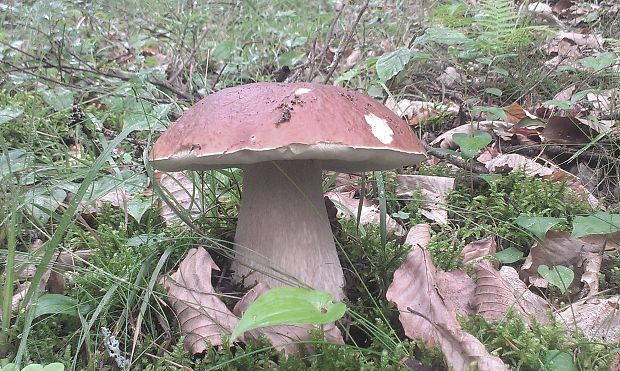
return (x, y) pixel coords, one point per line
(559, 248)
(347, 205)
(495, 295)
(202, 315)
(449, 76)
(506, 163)
(183, 194)
(565, 130)
(596, 318)
(433, 189)
(425, 315)
(475, 250)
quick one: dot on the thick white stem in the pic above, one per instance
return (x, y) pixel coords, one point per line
(283, 229)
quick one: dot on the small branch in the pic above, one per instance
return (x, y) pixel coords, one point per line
(344, 43)
(460, 162)
(190, 57)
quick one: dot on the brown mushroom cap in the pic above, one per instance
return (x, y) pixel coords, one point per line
(345, 130)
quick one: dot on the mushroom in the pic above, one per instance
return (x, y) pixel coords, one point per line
(282, 136)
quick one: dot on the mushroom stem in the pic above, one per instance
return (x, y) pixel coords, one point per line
(283, 229)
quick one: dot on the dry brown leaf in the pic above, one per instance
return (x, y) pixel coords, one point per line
(425, 315)
(284, 338)
(347, 206)
(506, 163)
(419, 235)
(457, 290)
(597, 318)
(475, 250)
(498, 292)
(565, 130)
(433, 189)
(182, 192)
(558, 248)
(449, 76)
(201, 313)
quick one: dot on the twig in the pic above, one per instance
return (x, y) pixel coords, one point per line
(321, 55)
(190, 57)
(458, 161)
(344, 43)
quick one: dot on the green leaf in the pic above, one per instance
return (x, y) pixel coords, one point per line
(561, 104)
(56, 366)
(401, 215)
(493, 113)
(491, 178)
(558, 360)
(494, 91)
(42, 202)
(558, 276)
(471, 144)
(137, 207)
(10, 113)
(598, 223)
(509, 255)
(9, 367)
(442, 35)
(600, 61)
(537, 225)
(390, 64)
(33, 367)
(57, 304)
(289, 305)
(59, 98)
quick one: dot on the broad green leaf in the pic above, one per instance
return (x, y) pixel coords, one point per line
(561, 104)
(491, 178)
(401, 215)
(147, 238)
(10, 113)
(16, 161)
(390, 64)
(537, 225)
(289, 305)
(558, 276)
(598, 223)
(42, 202)
(137, 207)
(9, 367)
(494, 91)
(558, 360)
(57, 304)
(442, 35)
(600, 61)
(33, 367)
(61, 99)
(493, 113)
(471, 144)
(509, 255)
(56, 366)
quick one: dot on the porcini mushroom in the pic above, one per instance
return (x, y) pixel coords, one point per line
(282, 136)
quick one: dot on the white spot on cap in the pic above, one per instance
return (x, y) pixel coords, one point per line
(380, 128)
(302, 91)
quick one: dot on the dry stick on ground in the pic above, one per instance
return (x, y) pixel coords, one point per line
(122, 75)
(344, 43)
(589, 154)
(321, 55)
(457, 161)
(190, 57)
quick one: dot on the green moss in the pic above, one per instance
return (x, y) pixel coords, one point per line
(527, 348)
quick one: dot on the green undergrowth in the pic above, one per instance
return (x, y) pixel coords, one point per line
(531, 347)
(491, 210)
